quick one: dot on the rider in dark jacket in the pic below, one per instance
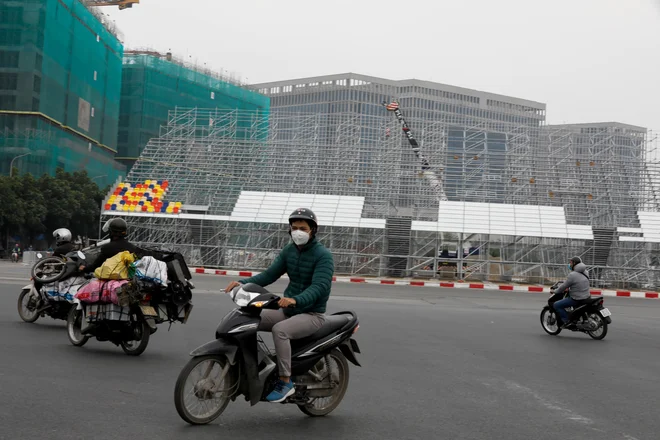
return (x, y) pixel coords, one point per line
(310, 267)
(118, 243)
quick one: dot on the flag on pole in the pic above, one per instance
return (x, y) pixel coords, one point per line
(392, 106)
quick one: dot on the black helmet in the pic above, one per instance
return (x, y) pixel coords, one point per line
(117, 227)
(307, 215)
(576, 261)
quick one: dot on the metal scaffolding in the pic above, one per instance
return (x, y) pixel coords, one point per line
(601, 175)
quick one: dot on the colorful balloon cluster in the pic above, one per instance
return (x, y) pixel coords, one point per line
(144, 197)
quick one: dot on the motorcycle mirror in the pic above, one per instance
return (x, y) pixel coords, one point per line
(81, 255)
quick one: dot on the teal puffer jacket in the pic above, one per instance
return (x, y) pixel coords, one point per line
(310, 270)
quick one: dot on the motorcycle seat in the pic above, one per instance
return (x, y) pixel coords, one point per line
(587, 301)
(333, 323)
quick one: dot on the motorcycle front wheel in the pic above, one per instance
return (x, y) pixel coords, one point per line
(549, 321)
(202, 391)
(27, 306)
(74, 328)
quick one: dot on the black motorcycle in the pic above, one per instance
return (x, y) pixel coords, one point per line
(34, 302)
(590, 316)
(246, 366)
(142, 305)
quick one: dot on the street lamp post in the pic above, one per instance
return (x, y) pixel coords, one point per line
(11, 164)
(11, 170)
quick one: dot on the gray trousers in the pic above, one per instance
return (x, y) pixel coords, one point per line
(286, 328)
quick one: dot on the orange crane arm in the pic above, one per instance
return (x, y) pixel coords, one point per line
(123, 4)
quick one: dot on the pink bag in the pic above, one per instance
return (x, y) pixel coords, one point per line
(98, 291)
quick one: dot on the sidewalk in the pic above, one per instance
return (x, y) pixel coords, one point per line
(450, 284)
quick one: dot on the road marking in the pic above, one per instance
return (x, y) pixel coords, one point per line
(567, 413)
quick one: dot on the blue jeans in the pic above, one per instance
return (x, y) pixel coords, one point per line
(561, 305)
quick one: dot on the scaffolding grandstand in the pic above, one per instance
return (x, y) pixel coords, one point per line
(522, 199)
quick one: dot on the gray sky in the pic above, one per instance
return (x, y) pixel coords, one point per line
(588, 60)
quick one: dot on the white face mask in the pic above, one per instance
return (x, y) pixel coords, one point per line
(300, 237)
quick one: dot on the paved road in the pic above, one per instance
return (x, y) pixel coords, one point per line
(437, 363)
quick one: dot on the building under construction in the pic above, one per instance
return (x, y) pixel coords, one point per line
(154, 83)
(517, 212)
(60, 81)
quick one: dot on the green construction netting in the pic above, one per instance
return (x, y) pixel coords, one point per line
(81, 71)
(152, 86)
(51, 147)
(58, 59)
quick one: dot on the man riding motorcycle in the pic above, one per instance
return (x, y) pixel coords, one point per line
(578, 282)
(16, 251)
(63, 243)
(117, 228)
(310, 267)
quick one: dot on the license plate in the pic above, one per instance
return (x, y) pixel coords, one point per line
(605, 313)
(148, 311)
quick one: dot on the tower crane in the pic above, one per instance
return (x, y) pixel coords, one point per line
(123, 4)
(435, 182)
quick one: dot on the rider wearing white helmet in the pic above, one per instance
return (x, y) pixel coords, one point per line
(63, 244)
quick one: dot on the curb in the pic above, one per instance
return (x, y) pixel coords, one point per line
(450, 284)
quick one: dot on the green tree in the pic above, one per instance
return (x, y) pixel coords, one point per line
(11, 209)
(61, 202)
(23, 207)
(89, 197)
(73, 201)
(33, 204)
(30, 206)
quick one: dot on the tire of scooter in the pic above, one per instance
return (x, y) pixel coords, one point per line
(601, 336)
(74, 315)
(179, 390)
(145, 333)
(343, 387)
(545, 311)
(20, 308)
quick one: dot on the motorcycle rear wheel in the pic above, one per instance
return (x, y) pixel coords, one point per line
(137, 347)
(313, 411)
(596, 317)
(546, 314)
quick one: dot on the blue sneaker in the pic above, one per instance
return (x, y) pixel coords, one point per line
(281, 392)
